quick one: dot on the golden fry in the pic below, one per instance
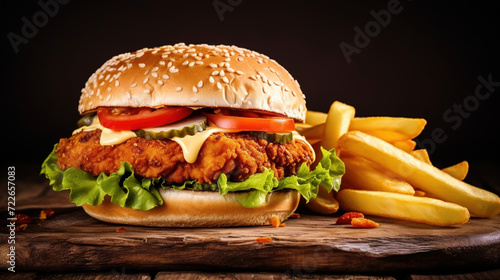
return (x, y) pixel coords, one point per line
(324, 203)
(458, 170)
(361, 175)
(405, 145)
(299, 127)
(388, 128)
(422, 155)
(434, 182)
(313, 132)
(405, 207)
(420, 193)
(315, 118)
(337, 123)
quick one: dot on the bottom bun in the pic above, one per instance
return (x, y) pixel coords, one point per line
(187, 208)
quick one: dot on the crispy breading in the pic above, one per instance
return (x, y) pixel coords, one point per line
(236, 155)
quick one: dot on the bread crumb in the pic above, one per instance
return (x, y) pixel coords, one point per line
(265, 239)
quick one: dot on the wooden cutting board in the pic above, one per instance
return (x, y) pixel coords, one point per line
(72, 241)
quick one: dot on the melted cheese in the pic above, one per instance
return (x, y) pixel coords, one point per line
(108, 136)
(190, 144)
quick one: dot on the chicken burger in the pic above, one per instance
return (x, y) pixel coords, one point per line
(190, 136)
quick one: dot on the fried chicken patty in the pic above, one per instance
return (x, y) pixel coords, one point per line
(236, 155)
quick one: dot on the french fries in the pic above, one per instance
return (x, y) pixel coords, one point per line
(436, 183)
(315, 118)
(422, 155)
(362, 175)
(458, 170)
(324, 203)
(313, 133)
(405, 145)
(388, 128)
(386, 176)
(337, 123)
(404, 207)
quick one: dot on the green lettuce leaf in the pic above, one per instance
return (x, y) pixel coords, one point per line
(128, 190)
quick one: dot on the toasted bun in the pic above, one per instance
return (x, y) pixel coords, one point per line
(185, 208)
(194, 76)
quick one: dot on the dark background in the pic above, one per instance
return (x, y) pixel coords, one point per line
(423, 63)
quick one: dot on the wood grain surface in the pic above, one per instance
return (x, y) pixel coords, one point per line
(72, 241)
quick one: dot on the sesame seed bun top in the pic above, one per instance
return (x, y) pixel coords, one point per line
(194, 76)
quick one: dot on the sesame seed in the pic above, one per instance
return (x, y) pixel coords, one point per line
(239, 58)
(213, 65)
(147, 91)
(160, 82)
(230, 70)
(146, 72)
(133, 85)
(173, 69)
(211, 79)
(145, 80)
(117, 83)
(185, 62)
(227, 59)
(154, 74)
(195, 89)
(200, 84)
(109, 89)
(221, 73)
(165, 76)
(239, 72)
(215, 73)
(219, 86)
(199, 62)
(191, 64)
(162, 63)
(194, 99)
(225, 79)
(185, 55)
(169, 64)
(142, 65)
(178, 89)
(221, 64)
(155, 69)
(253, 78)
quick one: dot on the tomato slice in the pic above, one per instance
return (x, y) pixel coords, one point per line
(135, 118)
(269, 124)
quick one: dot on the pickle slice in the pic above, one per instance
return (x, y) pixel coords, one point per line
(281, 138)
(86, 120)
(188, 126)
